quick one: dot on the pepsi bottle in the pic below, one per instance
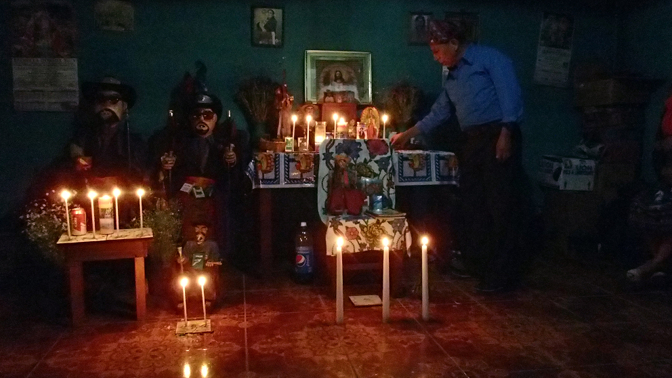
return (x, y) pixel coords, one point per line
(303, 268)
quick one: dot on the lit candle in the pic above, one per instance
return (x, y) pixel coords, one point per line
(386, 280)
(339, 281)
(140, 192)
(204, 371)
(201, 281)
(186, 372)
(91, 196)
(335, 118)
(116, 192)
(66, 195)
(342, 129)
(384, 122)
(294, 118)
(309, 118)
(425, 281)
(184, 282)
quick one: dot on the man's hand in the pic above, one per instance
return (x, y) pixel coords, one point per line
(230, 158)
(168, 161)
(181, 260)
(400, 140)
(503, 148)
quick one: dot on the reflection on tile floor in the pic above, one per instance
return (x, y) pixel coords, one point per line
(564, 322)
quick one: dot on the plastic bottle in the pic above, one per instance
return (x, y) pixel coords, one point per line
(303, 268)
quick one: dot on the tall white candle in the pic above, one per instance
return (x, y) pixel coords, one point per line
(309, 119)
(425, 281)
(140, 192)
(335, 118)
(91, 196)
(386, 280)
(184, 282)
(384, 123)
(66, 195)
(294, 118)
(116, 192)
(339, 281)
(201, 281)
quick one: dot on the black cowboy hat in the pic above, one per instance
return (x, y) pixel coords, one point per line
(108, 83)
(206, 101)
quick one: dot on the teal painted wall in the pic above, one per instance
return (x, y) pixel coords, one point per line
(170, 36)
(645, 46)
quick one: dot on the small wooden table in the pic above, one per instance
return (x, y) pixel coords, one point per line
(126, 244)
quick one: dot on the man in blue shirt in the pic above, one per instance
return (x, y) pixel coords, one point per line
(482, 92)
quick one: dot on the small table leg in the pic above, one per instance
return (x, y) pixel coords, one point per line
(140, 291)
(76, 279)
(266, 230)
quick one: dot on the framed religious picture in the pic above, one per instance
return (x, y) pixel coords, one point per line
(338, 76)
(417, 28)
(267, 26)
(469, 22)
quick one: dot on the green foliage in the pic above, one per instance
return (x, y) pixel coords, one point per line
(44, 222)
(165, 220)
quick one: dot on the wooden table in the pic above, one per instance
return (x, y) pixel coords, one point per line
(127, 244)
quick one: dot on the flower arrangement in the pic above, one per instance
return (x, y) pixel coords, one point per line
(44, 221)
(256, 97)
(401, 102)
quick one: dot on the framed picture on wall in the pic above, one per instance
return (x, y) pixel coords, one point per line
(418, 25)
(469, 22)
(338, 76)
(267, 26)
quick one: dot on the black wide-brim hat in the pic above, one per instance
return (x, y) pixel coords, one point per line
(206, 101)
(108, 83)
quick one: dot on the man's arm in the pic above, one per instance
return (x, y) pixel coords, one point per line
(506, 84)
(439, 114)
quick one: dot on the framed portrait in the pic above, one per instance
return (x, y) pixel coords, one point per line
(418, 25)
(267, 26)
(338, 76)
(468, 20)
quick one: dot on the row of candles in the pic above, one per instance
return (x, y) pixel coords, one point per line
(105, 199)
(386, 280)
(320, 135)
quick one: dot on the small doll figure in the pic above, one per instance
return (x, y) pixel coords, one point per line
(200, 257)
(343, 193)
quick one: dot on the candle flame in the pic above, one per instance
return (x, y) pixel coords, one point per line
(339, 242)
(116, 192)
(201, 280)
(186, 371)
(384, 118)
(294, 117)
(319, 139)
(105, 197)
(425, 240)
(184, 282)
(204, 370)
(386, 242)
(65, 194)
(141, 192)
(92, 194)
(335, 117)
(342, 120)
(309, 118)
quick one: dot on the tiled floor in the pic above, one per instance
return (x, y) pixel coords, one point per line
(567, 321)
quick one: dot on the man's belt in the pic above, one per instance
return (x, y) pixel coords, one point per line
(199, 187)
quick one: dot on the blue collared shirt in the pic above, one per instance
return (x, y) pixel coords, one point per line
(482, 88)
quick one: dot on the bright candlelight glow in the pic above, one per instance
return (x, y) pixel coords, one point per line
(66, 194)
(339, 242)
(105, 197)
(386, 242)
(425, 241)
(140, 192)
(184, 282)
(309, 118)
(341, 121)
(201, 280)
(294, 118)
(116, 192)
(335, 117)
(204, 370)
(319, 139)
(186, 371)
(92, 195)
(384, 118)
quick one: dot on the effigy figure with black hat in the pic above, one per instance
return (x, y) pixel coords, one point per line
(204, 167)
(104, 150)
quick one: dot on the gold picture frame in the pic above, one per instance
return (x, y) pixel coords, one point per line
(338, 76)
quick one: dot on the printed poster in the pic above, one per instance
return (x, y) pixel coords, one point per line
(42, 36)
(554, 50)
